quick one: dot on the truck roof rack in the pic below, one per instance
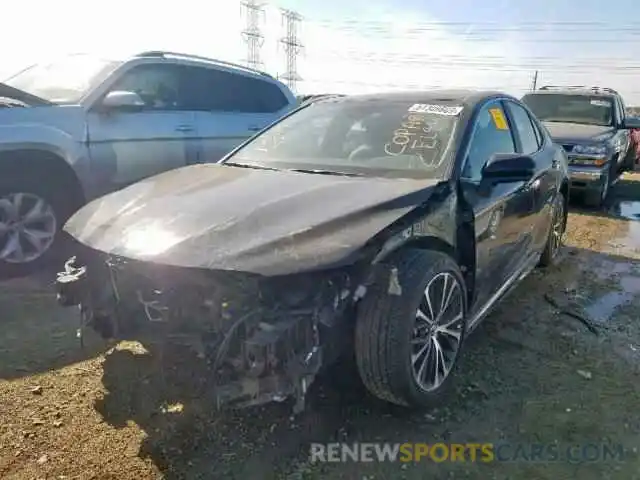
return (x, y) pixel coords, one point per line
(187, 56)
(580, 87)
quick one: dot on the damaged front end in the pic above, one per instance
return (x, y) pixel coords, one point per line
(263, 338)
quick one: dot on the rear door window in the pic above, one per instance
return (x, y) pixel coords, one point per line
(524, 128)
(216, 90)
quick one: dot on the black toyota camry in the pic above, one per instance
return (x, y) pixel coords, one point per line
(387, 225)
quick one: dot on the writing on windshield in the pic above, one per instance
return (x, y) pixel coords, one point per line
(417, 135)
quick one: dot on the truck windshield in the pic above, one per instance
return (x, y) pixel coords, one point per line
(64, 81)
(381, 137)
(587, 109)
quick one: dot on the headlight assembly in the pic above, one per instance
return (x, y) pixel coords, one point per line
(589, 150)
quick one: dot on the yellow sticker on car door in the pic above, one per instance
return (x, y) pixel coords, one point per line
(498, 119)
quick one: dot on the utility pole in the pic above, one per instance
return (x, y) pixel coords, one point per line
(534, 83)
(292, 47)
(252, 34)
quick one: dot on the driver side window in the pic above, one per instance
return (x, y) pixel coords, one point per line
(159, 86)
(492, 135)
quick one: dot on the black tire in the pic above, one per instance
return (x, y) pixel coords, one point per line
(597, 198)
(629, 163)
(62, 202)
(385, 324)
(556, 232)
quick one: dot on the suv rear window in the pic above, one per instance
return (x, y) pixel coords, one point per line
(571, 108)
(222, 91)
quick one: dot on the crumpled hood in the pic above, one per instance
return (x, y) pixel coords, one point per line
(232, 218)
(574, 132)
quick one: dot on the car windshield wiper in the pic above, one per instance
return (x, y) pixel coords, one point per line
(324, 172)
(250, 165)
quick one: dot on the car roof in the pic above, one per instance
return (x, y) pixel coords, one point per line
(574, 91)
(466, 98)
(206, 61)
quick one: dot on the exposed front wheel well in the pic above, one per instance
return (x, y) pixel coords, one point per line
(48, 166)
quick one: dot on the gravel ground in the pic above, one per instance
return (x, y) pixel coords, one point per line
(556, 362)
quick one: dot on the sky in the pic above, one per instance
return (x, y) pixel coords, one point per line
(353, 46)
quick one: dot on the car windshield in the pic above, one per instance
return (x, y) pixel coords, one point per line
(64, 81)
(588, 109)
(359, 137)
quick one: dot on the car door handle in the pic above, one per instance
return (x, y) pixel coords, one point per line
(255, 128)
(184, 128)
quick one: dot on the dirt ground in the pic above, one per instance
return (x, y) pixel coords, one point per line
(556, 362)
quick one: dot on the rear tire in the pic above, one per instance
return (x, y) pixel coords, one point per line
(556, 231)
(38, 209)
(392, 327)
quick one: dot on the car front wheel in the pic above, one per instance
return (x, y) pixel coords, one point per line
(411, 327)
(596, 198)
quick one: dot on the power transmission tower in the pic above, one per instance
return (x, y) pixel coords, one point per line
(534, 83)
(292, 47)
(252, 34)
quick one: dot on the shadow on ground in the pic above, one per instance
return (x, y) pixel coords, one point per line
(37, 335)
(519, 381)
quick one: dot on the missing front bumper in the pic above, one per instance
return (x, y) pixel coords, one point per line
(257, 350)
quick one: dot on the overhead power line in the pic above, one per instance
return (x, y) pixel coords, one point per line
(448, 62)
(612, 25)
(472, 32)
(491, 59)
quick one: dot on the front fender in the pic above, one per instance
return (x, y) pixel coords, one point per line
(435, 223)
(51, 140)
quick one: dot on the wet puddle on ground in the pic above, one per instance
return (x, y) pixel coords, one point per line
(624, 274)
(628, 210)
(602, 309)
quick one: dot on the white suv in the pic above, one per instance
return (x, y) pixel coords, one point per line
(75, 129)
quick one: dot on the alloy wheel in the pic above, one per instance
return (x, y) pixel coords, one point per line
(438, 331)
(28, 227)
(557, 229)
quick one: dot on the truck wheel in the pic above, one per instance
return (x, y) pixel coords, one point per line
(32, 212)
(629, 164)
(596, 198)
(410, 328)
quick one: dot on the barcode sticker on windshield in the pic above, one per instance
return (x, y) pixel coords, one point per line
(436, 109)
(600, 103)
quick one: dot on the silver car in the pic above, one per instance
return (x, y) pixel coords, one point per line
(81, 127)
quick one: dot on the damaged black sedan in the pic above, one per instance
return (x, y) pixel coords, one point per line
(384, 224)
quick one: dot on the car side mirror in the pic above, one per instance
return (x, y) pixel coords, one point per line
(122, 100)
(631, 122)
(508, 167)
